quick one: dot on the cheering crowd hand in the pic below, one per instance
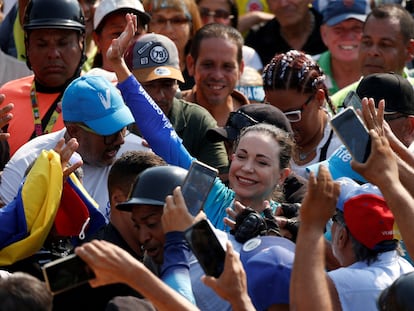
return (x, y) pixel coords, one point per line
(232, 283)
(176, 216)
(119, 45)
(322, 192)
(5, 117)
(66, 151)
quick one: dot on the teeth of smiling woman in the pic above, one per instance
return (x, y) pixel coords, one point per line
(247, 181)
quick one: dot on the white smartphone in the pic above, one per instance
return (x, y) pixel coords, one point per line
(66, 273)
(352, 131)
(206, 247)
(197, 185)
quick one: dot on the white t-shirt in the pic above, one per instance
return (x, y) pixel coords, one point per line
(359, 285)
(334, 144)
(94, 178)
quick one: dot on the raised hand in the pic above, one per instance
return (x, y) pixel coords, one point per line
(5, 117)
(119, 45)
(66, 152)
(176, 216)
(232, 284)
(319, 203)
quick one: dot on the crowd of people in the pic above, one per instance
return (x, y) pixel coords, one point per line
(105, 104)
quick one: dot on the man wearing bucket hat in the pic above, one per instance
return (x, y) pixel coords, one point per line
(364, 240)
(153, 60)
(95, 114)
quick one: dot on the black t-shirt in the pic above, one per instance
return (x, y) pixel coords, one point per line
(267, 41)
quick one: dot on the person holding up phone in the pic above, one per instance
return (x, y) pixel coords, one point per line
(398, 94)
(363, 239)
(390, 166)
(161, 216)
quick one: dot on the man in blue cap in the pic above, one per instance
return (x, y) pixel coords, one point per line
(95, 114)
(341, 32)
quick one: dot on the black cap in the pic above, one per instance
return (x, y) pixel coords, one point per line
(248, 115)
(396, 90)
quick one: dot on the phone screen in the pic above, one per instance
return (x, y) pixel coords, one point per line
(206, 247)
(197, 185)
(351, 130)
(66, 273)
(352, 100)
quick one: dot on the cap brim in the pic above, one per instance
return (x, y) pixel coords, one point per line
(150, 74)
(144, 16)
(113, 122)
(222, 133)
(127, 205)
(340, 18)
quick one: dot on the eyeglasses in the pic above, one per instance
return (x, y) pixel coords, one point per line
(216, 14)
(176, 21)
(108, 139)
(239, 120)
(394, 116)
(296, 115)
(338, 217)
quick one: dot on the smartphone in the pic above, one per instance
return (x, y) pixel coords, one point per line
(66, 273)
(354, 135)
(206, 247)
(352, 100)
(197, 184)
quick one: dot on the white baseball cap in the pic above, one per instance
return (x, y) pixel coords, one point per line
(107, 7)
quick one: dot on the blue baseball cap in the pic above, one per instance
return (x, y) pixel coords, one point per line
(339, 165)
(337, 11)
(268, 262)
(94, 101)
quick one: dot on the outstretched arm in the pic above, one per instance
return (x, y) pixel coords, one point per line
(310, 286)
(232, 283)
(153, 124)
(383, 169)
(112, 264)
(374, 119)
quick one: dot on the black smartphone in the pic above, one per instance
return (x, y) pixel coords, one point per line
(352, 100)
(354, 135)
(66, 273)
(206, 247)
(197, 185)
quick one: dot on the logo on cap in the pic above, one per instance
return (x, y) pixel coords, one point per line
(252, 244)
(162, 71)
(159, 54)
